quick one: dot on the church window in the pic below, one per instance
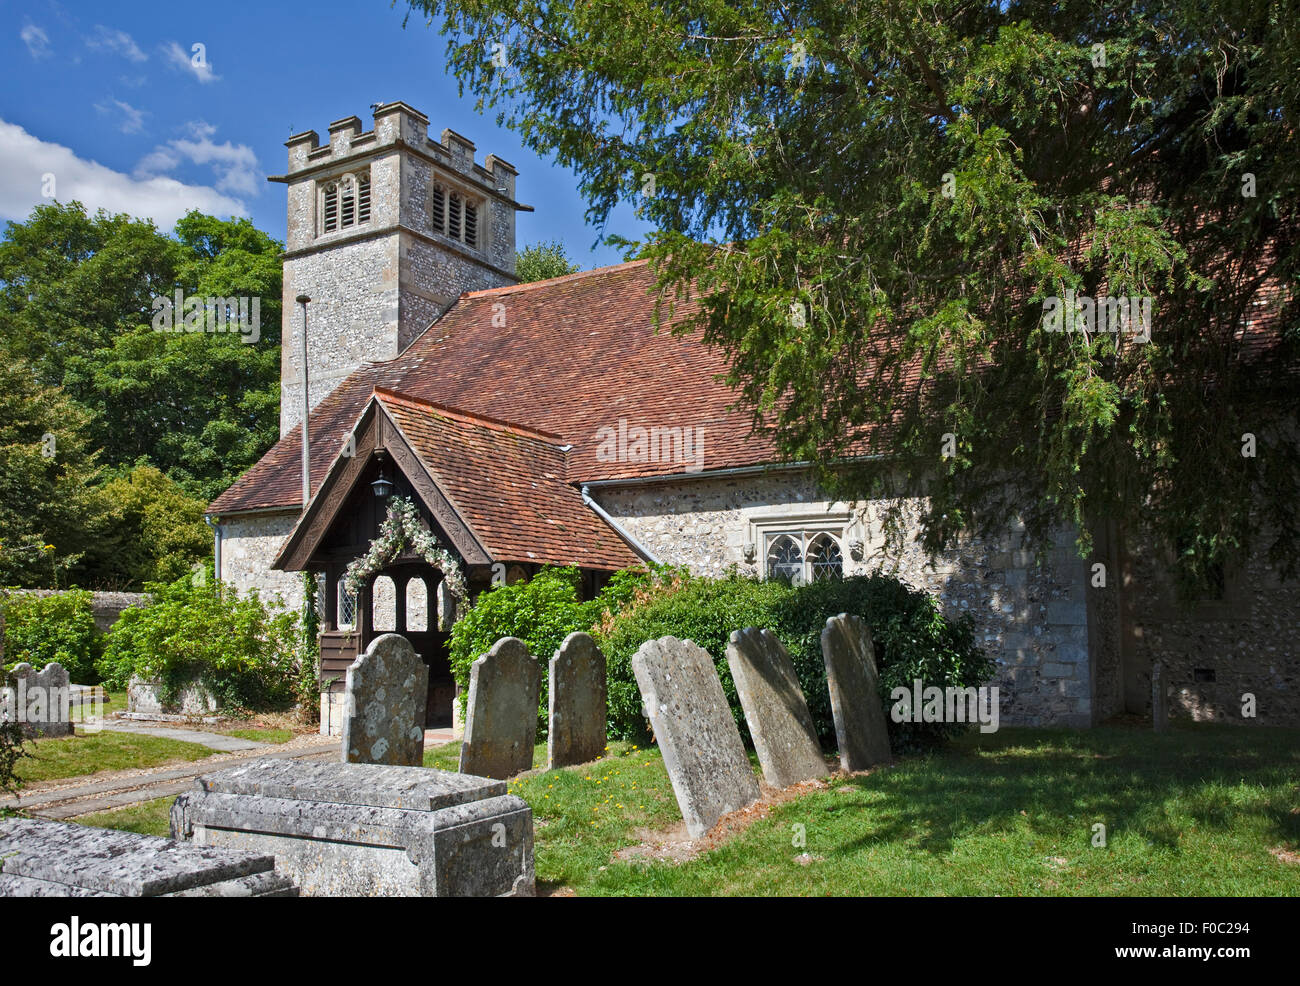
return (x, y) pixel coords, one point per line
(800, 557)
(345, 202)
(347, 608)
(455, 215)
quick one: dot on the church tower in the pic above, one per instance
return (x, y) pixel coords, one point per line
(386, 228)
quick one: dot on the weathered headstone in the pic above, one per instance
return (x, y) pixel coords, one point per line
(853, 682)
(365, 830)
(501, 717)
(383, 706)
(697, 735)
(775, 708)
(1159, 701)
(576, 723)
(39, 700)
(40, 858)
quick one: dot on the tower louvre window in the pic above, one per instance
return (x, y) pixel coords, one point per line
(345, 202)
(439, 209)
(349, 209)
(363, 199)
(455, 215)
(471, 224)
(331, 207)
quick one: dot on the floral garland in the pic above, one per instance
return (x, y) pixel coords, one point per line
(402, 531)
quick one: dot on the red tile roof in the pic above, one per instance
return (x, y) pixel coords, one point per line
(509, 484)
(569, 356)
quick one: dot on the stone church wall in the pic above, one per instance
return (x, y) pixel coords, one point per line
(1033, 617)
(249, 544)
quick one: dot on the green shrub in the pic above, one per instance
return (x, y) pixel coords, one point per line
(912, 640)
(541, 612)
(246, 651)
(41, 629)
(11, 751)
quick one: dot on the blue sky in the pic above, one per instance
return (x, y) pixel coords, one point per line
(107, 99)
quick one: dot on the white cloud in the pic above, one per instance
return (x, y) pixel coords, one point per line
(25, 161)
(177, 57)
(235, 164)
(118, 41)
(132, 119)
(37, 41)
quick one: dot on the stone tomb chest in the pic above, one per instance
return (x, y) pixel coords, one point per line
(367, 830)
(40, 858)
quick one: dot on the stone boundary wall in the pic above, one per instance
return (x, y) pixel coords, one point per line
(106, 606)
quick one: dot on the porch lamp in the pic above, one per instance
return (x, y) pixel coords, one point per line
(383, 485)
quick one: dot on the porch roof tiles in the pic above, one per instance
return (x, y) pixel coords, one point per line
(509, 484)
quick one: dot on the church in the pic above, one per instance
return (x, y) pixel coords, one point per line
(551, 423)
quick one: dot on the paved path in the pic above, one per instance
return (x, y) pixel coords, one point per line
(123, 788)
(213, 741)
(70, 797)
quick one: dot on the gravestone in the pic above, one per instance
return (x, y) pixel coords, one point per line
(696, 733)
(853, 682)
(775, 708)
(383, 705)
(576, 724)
(39, 700)
(1159, 701)
(365, 830)
(40, 858)
(501, 716)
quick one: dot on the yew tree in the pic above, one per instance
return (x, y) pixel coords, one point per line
(878, 200)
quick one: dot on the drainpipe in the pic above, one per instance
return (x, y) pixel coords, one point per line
(637, 546)
(215, 524)
(302, 299)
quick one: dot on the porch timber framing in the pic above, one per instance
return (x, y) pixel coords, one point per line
(374, 431)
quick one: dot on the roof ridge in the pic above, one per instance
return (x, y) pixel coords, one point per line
(547, 282)
(457, 414)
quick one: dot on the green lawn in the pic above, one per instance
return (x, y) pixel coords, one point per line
(1191, 812)
(261, 735)
(73, 756)
(147, 818)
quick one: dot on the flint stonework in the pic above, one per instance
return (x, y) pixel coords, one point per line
(696, 733)
(40, 858)
(363, 830)
(775, 709)
(853, 681)
(39, 700)
(1159, 700)
(501, 717)
(384, 704)
(576, 723)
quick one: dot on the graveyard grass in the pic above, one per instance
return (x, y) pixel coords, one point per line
(89, 753)
(146, 818)
(1199, 810)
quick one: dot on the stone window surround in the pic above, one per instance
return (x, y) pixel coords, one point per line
(836, 523)
(322, 183)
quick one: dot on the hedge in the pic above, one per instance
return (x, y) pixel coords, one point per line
(912, 640)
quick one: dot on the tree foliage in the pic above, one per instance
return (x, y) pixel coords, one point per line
(540, 261)
(76, 302)
(876, 199)
(50, 505)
